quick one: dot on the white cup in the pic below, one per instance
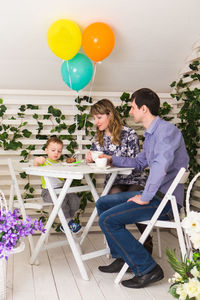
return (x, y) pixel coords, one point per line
(101, 162)
(95, 154)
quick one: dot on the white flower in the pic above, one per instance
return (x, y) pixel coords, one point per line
(181, 291)
(195, 239)
(176, 278)
(191, 223)
(192, 288)
(195, 272)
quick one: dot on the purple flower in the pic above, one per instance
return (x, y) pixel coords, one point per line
(12, 228)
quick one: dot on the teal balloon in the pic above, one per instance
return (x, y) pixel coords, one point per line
(78, 73)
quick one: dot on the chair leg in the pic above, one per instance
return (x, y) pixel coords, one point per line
(121, 273)
(178, 227)
(159, 242)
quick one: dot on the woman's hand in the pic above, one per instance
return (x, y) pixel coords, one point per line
(137, 199)
(88, 157)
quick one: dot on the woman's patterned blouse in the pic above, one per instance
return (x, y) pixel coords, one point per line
(129, 146)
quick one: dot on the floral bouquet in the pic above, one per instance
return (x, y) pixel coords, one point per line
(185, 284)
(13, 228)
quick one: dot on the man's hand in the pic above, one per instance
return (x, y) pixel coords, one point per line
(137, 199)
(109, 158)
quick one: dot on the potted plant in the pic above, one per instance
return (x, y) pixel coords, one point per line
(12, 230)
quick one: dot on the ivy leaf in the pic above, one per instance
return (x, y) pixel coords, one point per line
(3, 109)
(23, 175)
(26, 133)
(173, 84)
(35, 116)
(125, 97)
(41, 137)
(54, 111)
(13, 145)
(27, 186)
(72, 128)
(31, 106)
(46, 117)
(22, 108)
(31, 190)
(21, 115)
(31, 147)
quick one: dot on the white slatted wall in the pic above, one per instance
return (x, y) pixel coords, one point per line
(65, 102)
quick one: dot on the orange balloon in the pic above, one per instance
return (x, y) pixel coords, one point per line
(98, 41)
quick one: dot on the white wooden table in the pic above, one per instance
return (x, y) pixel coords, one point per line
(71, 172)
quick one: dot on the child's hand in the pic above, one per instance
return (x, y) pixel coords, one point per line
(39, 161)
(88, 157)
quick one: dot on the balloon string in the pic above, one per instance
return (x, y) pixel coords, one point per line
(70, 81)
(92, 81)
(77, 95)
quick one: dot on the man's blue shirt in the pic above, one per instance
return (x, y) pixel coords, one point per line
(165, 153)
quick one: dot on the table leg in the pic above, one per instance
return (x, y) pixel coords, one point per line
(57, 205)
(96, 197)
(73, 245)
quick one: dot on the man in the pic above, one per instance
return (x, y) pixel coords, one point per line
(165, 153)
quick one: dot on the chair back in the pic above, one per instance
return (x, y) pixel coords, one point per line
(14, 168)
(189, 189)
(3, 202)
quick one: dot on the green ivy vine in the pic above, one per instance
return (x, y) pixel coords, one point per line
(186, 90)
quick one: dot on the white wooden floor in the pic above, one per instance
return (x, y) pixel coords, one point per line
(57, 277)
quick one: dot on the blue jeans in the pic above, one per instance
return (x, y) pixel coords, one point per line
(114, 213)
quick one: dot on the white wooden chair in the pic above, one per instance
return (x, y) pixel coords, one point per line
(182, 175)
(37, 204)
(160, 224)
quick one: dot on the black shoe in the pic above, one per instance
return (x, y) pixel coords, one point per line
(141, 281)
(114, 267)
(149, 246)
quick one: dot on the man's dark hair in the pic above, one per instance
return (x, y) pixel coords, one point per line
(147, 97)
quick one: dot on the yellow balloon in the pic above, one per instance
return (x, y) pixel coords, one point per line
(64, 38)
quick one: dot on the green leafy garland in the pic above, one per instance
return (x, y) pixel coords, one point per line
(189, 114)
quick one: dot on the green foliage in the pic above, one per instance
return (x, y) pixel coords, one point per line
(190, 113)
(125, 106)
(178, 266)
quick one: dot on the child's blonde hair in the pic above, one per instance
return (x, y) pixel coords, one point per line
(54, 139)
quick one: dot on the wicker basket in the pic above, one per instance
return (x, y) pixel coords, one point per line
(3, 261)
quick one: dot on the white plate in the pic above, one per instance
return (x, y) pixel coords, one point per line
(71, 164)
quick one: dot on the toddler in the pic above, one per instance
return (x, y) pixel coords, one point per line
(71, 201)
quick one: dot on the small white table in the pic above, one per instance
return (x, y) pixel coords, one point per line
(71, 172)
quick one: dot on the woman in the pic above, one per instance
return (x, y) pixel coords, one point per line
(113, 138)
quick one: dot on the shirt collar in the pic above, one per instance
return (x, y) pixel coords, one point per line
(152, 126)
(52, 161)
